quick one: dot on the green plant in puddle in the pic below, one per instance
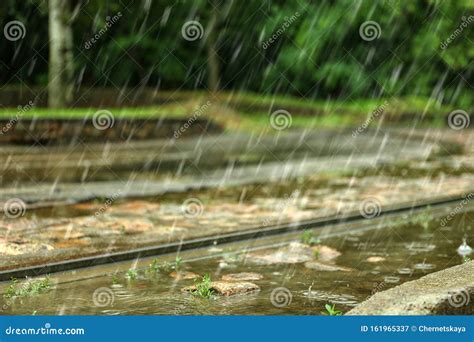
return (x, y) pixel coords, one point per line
(466, 259)
(153, 267)
(11, 289)
(166, 266)
(131, 274)
(203, 287)
(423, 218)
(177, 263)
(331, 310)
(308, 238)
(115, 279)
(28, 288)
(316, 253)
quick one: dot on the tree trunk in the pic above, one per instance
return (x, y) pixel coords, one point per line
(212, 57)
(61, 73)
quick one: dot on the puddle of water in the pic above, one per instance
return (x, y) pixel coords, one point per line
(409, 251)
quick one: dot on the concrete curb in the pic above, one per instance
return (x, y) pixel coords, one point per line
(447, 292)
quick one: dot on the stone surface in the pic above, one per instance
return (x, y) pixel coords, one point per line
(122, 224)
(242, 276)
(134, 208)
(184, 275)
(449, 292)
(228, 288)
(321, 266)
(325, 253)
(11, 248)
(293, 253)
(375, 259)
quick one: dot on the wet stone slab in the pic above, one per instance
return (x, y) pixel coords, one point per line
(184, 275)
(247, 276)
(447, 292)
(292, 254)
(326, 267)
(228, 288)
(158, 293)
(105, 226)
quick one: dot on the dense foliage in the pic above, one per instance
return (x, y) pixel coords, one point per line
(304, 47)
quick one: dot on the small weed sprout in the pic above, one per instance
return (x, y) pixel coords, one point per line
(131, 274)
(166, 266)
(308, 238)
(153, 267)
(331, 310)
(423, 219)
(29, 288)
(11, 289)
(203, 287)
(316, 253)
(178, 262)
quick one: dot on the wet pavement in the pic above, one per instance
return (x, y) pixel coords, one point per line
(111, 224)
(364, 260)
(143, 168)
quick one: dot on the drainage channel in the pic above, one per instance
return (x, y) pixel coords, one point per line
(251, 234)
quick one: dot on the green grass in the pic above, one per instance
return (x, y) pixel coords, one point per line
(29, 288)
(308, 238)
(82, 113)
(355, 107)
(331, 310)
(153, 267)
(203, 287)
(422, 219)
(131, 274)
(251, 111)
(178, 262)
